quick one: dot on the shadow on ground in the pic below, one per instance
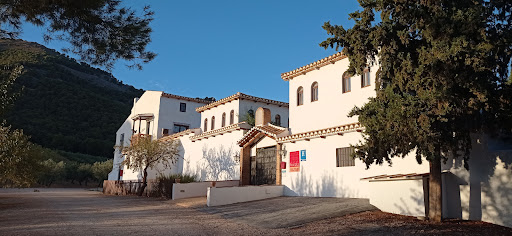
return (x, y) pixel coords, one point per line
(286, 212)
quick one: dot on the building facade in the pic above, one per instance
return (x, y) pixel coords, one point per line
(313, 156)
(155, 114)
(211, 152)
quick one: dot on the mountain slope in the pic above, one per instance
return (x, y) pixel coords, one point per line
(66, 105)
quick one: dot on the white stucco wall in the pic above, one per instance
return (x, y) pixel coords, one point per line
(212, 159)
(240, 108)
(319, 176)
(217, 112)
(484, 192)
(230, 195)
(169, 114)
(149, 102)
(333, 105)
(166, 113)
(246, 105)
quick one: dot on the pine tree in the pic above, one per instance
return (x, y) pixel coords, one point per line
(100, 32)
(444, 74)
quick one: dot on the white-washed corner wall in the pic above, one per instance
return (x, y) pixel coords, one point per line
(405, 197)
(126, 131)
(333, 106)
(246, 105)
(319, 176)
(484, 192)
(149, 102)
(217, 112)
(213, 159)
(170, 114)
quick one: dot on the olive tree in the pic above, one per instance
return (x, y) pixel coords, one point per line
(145, 153)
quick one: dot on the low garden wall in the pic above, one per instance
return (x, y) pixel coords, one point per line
(166, 189)
(229, 195)
(198, 189)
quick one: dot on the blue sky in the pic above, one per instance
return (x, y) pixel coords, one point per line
(218, 48)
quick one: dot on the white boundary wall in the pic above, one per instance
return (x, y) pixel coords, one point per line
(230, 195)
(197, 189)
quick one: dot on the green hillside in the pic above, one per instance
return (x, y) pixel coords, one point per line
(66, 105)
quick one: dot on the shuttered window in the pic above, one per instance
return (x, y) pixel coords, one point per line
(344, 157)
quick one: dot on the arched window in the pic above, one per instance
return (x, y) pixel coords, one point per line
(346, 82)
(278, 120)
(213, 123)
(300, 95)
(223, 119)
(231, 117)
(314, 92)
(365, 78)
(205, 124)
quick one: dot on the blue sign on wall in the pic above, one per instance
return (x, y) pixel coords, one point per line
(302, 155)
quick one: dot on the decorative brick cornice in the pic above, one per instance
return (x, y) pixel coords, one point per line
(198, 100)
(322, 133)
(269, 130)
(240, 96)
(221, 131)
(179, 134)
(313, 66)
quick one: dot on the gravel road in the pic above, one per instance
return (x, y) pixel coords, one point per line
(81, 212)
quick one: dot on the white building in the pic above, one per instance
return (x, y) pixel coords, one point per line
(210, 152)
(312, 157)
(155, 114)
(207, 132)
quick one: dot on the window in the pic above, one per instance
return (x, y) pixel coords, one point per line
(121, 142)
(300, 95)
(346, 82)
(231, 117)
(183, 107)
(223, 119)
(205, 124)
(344, 157)
(179, 127)
(314, 92)
(165, 132)
(278, 120)
(213, 123)
(365, 78)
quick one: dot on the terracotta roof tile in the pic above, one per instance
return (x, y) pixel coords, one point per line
(198, 100)
(313, 66)
(240, 96)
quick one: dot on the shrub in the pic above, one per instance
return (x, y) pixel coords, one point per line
(163, 185)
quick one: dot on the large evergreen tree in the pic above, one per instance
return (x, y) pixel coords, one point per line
(99, 31)
(444, 71)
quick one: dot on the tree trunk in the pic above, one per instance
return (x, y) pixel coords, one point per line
(435, 194)
(144, 182)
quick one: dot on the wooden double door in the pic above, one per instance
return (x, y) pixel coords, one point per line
(263, 166)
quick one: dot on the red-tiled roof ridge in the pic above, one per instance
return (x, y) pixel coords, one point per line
(240, 95)
(313, 66)
(179, 134)
(269, 130)
(198, 100)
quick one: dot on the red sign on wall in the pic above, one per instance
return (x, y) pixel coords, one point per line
(294, 162)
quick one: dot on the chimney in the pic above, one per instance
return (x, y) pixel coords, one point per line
(263, 116)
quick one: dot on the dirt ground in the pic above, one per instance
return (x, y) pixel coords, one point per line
(82, 212)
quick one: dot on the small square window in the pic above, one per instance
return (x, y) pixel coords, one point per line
(178, 128)
(344, 157)
(183, 107)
